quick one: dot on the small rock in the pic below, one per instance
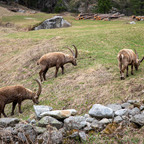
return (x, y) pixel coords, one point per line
(53, 136)
(114, 107)
(41, 109)
(48, 120)
(90, 120)
(134, 111)
(97, 126)
(132, 22)
(33, 121)
(88, 127)
(142, 107)
(138, 119)
(22, 137)
(132, 101)
(87, 116)
(75, 122)
(40, 130)
(105, 121)
(118, 119)
(74, 135)
(121, 112)
(82, 136)
(27, 129)
(59, 114)
(5, 122)
(100, 111)
(125, 105)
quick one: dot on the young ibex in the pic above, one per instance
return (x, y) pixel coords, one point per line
(56, 59)
(17, 94)
(128, 57)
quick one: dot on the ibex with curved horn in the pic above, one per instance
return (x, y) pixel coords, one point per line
(56, 59)
(17, 94)
(128, 57)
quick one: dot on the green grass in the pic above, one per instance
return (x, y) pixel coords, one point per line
(94, 80)
(24, 21)
(98, 43)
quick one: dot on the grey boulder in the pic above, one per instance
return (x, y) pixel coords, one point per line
(59, 114)
(41, 109)
(75, 122)
(100, 111)
(138, 119)
(48, 120)
(55, 22)
(121, 112)
(5, 122)
(134, 111)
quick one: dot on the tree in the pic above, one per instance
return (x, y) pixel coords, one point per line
(103, 6)
(137, 7)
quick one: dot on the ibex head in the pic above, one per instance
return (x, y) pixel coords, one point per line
(138, 62)
(35, 98)
(74, 58)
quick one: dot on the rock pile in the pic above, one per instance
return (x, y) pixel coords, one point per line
(55, 126)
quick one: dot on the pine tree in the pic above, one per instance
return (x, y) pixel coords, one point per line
(137, 7)
(104, 6)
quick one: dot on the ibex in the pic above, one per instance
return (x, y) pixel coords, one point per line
(56, 59)
(128, 57)
(17, 94)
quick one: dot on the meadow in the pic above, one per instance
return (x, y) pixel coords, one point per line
(94, 80)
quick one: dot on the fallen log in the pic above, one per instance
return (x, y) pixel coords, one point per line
(138, 18)
(107, 17)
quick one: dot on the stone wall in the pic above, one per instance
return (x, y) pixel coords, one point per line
(57, 126)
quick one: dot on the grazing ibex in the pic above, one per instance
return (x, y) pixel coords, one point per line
(128, 57)
(17, 94)
(56, 59)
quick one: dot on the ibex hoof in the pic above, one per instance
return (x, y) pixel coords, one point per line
(12, 114)
(127, 75)
(122, 78)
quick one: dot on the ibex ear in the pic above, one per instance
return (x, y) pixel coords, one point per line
(136, 53)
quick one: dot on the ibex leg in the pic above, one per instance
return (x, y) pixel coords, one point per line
(122, 72)
(40, 74)
(19, 105)
(120, 67)
(62, 67)
(57, 68)
(13, 108)
(44, 73)
(127, 72)
(132, 69)
(3, 111)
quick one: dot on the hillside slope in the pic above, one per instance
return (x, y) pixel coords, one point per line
(94, 80)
